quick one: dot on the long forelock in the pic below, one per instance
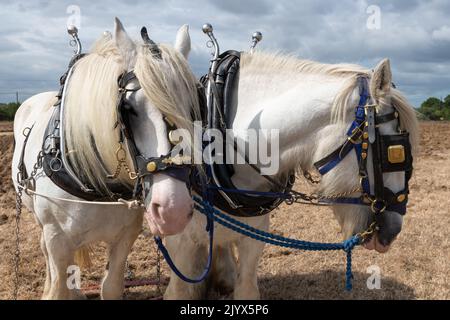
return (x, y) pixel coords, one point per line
(169, 84)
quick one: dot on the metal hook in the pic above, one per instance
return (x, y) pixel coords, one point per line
(256, 38)
(208, 30)
(73, 31)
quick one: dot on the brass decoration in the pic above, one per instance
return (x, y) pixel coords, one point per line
(174, 141)
(177, 160)
(396, 154)
(401, 198)
(365, 146)
(364, 155)
(151, 166)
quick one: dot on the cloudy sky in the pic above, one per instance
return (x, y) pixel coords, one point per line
(414, 34)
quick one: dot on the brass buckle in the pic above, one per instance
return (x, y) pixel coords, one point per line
(355, 131)
(375, 210)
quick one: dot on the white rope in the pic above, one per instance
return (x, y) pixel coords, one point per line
(131, 205)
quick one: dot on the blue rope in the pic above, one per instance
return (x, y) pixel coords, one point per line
(210, 229)
(266, 237)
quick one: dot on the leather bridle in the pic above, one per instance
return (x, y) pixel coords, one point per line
(390, 153)
(177, 167)
(145, 167)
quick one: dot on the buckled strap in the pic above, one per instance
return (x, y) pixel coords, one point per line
(332, 160)
(386, 118)
(164, 164)
(396, 201)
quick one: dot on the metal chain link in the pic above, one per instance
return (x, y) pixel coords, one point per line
(308, 176)
(158, 271)
(17, 249)
(339, 195)
(129, 273)
(26, 183)
(122, 163)
(314, 199)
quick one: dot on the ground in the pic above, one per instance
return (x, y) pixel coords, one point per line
(417, 266)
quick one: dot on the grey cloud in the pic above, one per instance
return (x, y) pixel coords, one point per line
(248, 7)
(34, 46)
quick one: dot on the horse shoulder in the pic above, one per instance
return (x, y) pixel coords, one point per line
(32, 109)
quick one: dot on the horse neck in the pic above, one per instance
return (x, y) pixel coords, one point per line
(299, 105)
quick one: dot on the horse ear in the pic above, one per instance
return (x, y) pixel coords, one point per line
(126, 46)
(381, 82)
(183, 41)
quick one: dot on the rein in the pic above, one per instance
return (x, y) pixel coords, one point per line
(227, 221)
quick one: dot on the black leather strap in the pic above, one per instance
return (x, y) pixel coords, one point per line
(386, 118)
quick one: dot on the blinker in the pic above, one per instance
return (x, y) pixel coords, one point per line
(396, 154)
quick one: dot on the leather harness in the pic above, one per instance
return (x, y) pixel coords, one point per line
(223, 86)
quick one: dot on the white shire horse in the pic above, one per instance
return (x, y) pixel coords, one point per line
(312, 105)
(168, 89)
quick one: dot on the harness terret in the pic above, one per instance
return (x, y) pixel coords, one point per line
(223, 80)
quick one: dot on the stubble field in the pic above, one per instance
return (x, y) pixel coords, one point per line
(417, 266)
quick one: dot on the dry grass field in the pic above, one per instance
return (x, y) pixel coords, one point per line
(416, 267)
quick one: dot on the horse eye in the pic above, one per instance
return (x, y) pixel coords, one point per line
(130, 108)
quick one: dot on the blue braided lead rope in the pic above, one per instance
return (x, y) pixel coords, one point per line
(210, 229)
(270, 238)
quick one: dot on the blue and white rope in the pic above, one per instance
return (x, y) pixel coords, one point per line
(266, 237)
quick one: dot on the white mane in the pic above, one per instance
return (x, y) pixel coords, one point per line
(264, 62)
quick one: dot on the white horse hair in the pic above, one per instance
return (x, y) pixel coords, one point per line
(312, 105)
(169, 89)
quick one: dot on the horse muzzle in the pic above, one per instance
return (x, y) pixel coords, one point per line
(389, 226)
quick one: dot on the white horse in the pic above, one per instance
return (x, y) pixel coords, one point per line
(169, 89)
(312, 105)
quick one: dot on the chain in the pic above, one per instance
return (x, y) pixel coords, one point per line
(339, 195)
(368, 233)
(309, 177)
(17, 250)
(122, 163)
(158, 271)
(315, 199)
(129, 274)
(26, 183)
